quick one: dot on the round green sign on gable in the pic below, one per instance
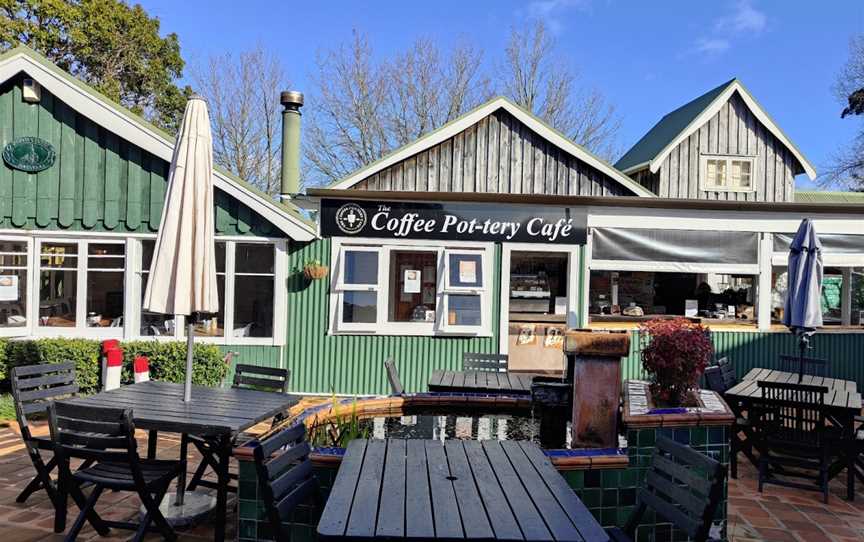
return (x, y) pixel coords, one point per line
(29, 154)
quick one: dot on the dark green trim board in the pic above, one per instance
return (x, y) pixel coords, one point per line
(343, 364)
(98, 182)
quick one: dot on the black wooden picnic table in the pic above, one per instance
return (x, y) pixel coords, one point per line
(481, 382)
(842, 394)
(426, 490)
(842, 401)
(213, 413)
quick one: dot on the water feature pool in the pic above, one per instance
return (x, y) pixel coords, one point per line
(440, 423)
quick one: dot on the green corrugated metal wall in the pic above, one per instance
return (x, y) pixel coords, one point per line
(762, 349)
(323, 363)
(98, 182)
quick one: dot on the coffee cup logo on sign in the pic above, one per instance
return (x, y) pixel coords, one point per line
(351, 218)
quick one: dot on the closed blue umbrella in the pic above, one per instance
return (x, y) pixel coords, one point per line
(802, 312)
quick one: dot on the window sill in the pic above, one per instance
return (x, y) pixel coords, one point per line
(736, 190)
(408, 333)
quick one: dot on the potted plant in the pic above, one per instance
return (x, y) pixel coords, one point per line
(675, 352)
(314, 270)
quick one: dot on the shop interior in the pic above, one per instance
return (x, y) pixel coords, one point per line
(538, 311)
(839, 306)
(621, 296)
(538, 287)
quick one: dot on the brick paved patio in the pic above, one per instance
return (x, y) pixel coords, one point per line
(778, 514)
(34, 520)
(789, 515)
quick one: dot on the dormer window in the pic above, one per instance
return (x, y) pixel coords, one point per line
(727, 173)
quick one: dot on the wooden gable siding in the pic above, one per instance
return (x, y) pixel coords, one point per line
(498, 154)
(98, 182)
(734, 130)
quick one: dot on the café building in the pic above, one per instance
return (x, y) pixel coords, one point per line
(492, 234)
(496, 232)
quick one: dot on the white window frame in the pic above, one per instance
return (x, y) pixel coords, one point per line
(382, 325)
(80, 329)
(133, 328)
(728, 158)
(450, 288)
(339, 287)
(280, 255)
(22, 331)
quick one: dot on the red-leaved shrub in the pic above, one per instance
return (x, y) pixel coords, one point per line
(675, 353)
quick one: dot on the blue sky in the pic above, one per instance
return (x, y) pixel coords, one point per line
(647, 57)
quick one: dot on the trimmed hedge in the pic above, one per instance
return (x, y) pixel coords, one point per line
(167, 359)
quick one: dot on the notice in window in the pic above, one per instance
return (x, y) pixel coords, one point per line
(467, 271)
(9, 288)
(411, 284)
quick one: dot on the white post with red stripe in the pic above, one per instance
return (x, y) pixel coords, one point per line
(142, 369)
(113, 368)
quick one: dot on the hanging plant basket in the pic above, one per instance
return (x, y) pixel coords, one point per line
(315, 271)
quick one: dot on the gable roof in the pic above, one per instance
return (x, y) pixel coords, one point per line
(129, 126)
(472, 117)
(674, 127)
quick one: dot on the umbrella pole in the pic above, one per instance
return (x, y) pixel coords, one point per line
(190, 350)
(802, 346)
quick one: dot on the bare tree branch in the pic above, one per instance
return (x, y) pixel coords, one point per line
(847, 165)
(535, 77)
(361, 108)
(242, 94)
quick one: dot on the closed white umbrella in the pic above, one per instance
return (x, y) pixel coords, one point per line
(802, 312)
(182, 276)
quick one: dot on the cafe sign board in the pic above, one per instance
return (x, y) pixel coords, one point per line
(30, 154)
(456, 221)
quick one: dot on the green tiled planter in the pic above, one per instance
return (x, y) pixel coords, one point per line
(611, 494)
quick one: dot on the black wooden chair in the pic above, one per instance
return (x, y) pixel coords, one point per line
(34, 387)
(106, 436)
(858, 449)
(792, 437)
(268, 379)
(683, 486)
(393, 377)
(720, 377)
(812, 366)
(494, 363)
(285, 476)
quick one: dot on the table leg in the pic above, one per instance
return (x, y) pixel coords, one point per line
(181, 480)
(152, 437)
(224, 457)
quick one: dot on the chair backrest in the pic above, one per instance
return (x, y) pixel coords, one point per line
(721, 376)
(34, 387)
(790, 415)
(262, 378)
(285, 476)
(812, 366)
(94, 433)
(393, 377)
(684, 486)
(495, 363)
